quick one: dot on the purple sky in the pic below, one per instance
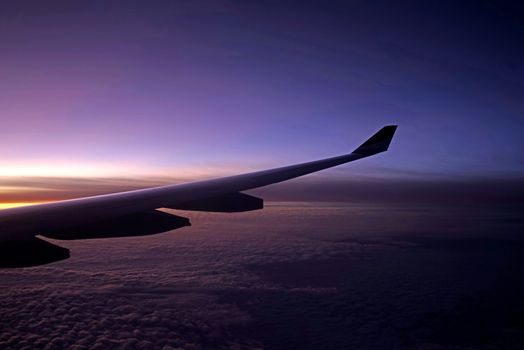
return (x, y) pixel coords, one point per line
(186, 89)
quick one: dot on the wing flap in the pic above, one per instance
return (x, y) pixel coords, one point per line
(30, 252)
(139, 224)
(228, 203)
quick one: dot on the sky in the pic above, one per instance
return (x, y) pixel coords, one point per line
(100, 96)
(105, 96)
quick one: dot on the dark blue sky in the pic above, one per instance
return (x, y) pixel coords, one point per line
(204, 88)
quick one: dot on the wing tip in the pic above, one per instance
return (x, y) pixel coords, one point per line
(377, 143)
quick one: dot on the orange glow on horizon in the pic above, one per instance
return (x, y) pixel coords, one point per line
(17, 204)
(23, 183)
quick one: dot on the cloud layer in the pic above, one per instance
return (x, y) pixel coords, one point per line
(330, 276)
(333, 187)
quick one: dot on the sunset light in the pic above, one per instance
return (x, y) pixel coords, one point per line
(261, 174)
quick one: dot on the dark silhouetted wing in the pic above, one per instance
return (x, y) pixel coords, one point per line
(134, 212)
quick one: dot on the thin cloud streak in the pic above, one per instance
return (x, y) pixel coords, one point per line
(321, 188)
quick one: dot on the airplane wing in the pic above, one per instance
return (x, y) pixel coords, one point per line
(133, 213)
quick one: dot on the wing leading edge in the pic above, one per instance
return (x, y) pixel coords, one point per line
(23, 223)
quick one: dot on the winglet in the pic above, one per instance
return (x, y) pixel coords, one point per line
(377, 143)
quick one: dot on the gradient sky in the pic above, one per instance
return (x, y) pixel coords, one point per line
(191, 89)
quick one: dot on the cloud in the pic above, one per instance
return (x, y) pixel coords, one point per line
(37, 189)
(336, 187)
(141, 317)
(476, 191)
(303, 276)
